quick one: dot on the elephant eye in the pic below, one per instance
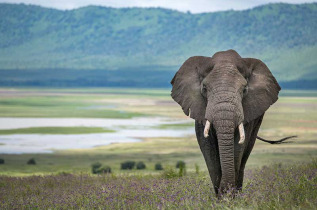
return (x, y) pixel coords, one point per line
(203, 90)
(245, 90)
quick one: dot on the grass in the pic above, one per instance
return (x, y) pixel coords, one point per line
(176, 126)
(55, 130)
(59, 106)
(277, 176)
(289, 116)
(298, 93)
(274, 187)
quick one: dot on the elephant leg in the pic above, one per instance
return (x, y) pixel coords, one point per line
(252, 130)
(209, 149)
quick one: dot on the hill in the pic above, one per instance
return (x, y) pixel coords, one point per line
(36, 41)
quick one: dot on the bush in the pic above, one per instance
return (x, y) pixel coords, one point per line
(180, 164)
(31, 162)
(104, 170)
(140, 165)
(158, 166)
(95, 167)
(64, 173)
(127, 165)
(197, 168)
(169, 172)
(1, 161)
(182, 170)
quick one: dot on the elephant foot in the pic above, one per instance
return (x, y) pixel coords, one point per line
(228, 191)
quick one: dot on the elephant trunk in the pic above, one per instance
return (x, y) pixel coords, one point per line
(225, 134)
(225, 112)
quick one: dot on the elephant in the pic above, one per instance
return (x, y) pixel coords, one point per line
(227, 96)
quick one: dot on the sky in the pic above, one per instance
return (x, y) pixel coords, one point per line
(194, 6)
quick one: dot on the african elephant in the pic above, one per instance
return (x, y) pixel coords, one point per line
(227, 96)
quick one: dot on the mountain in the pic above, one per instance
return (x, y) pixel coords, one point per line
(100, 41)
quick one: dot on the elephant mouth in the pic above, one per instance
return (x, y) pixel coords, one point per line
(241, 131)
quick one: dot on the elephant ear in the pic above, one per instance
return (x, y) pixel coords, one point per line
(186, 89)
(262, 91)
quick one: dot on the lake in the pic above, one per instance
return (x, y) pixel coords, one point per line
(126, 130)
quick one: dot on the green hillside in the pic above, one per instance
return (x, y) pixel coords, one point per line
(155, 39)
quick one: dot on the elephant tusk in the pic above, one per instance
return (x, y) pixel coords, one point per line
(207, 127)
(242, 134)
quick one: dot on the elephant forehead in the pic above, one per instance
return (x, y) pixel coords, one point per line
(224, 97)
(230, 54)
(230, 80)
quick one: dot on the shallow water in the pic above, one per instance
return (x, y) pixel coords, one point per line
(127, 130)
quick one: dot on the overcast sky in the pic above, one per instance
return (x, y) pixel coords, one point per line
(194, 6)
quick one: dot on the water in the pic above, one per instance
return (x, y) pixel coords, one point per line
(127, 130)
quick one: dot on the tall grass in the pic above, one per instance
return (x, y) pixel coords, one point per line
(275, 187)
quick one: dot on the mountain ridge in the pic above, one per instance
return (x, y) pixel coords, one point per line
(95, 37)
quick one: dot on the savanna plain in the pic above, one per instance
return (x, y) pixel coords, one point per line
(277, 176)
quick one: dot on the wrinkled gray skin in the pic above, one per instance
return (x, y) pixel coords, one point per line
(226, 90)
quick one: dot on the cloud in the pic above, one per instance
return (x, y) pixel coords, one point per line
(194, 6)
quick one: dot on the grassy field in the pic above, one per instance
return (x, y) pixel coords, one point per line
(274, 187)
(278, 176)
(54, 130)
(289, 116)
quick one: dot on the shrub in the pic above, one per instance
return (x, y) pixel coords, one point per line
(180, 164)
(95, 167)
(64, 173)
(104, 170)
(158, 166)
(169, 172)
(127, 165)
(197, 168)
(1, 161)
(31, 162)
(140, 165)
(182, 170)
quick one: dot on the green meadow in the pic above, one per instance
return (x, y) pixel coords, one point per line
(274, 187)
(294, 114)
(54, 130)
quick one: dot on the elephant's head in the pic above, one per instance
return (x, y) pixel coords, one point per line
(224, 91)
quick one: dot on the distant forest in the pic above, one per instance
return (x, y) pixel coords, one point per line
(141, 78)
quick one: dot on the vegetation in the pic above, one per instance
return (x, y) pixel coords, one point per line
(182, 170)
(59, 105)
(140, 165)
(55, 130)
(197, 168)
(274, 187)
(289, 116)
(158, 167)
(2, 161)
(169, 172)
(180, 164)
(277, 176)
(95, 167)
(94, 46)
(104, 170)
(31, 162)
(152, 76)
(127, 165)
